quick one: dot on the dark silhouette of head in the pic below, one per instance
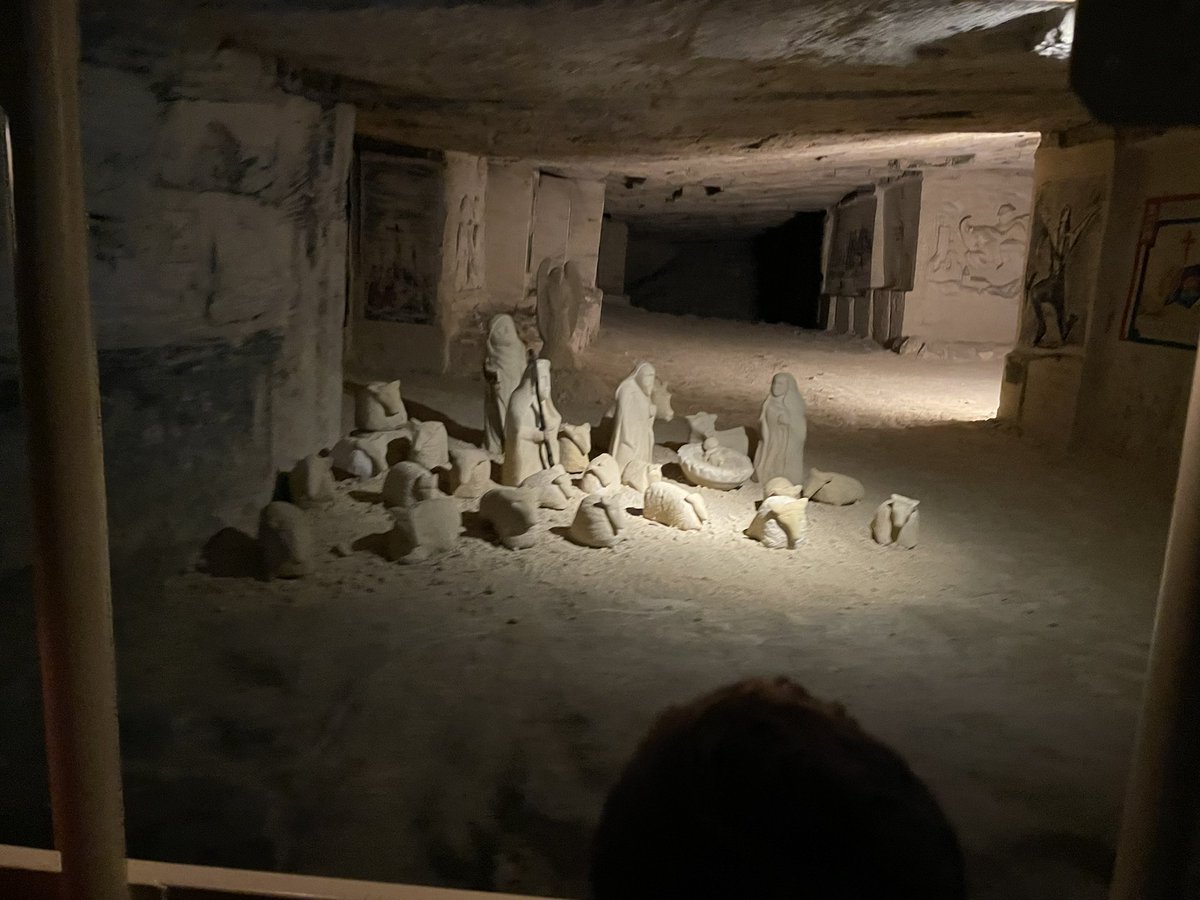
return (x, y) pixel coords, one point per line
(758, 791)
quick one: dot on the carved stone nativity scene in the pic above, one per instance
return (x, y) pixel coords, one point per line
(478, 380)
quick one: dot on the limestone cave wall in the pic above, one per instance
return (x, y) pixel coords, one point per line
(1141, 341)
(1111, 313)
(216, 209)
(507, 226)
(420, 242)
(1043, 374)
(499, 220)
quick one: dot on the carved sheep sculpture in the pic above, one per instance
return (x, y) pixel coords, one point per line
(673, 505)
(600, 521)
(511, 513)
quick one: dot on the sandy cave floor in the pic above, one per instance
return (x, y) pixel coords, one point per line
(459, 722)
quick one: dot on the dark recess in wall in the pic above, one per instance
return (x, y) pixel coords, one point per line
(772, 276)
(789, 271)
(713, 276)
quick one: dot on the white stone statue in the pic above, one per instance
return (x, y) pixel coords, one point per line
(896, 522)
(427, 529)
(671, 504)
(780, 523)
(600, 521)
(504, 362)
(311, 482)
(553, 488)
(832, 488)
(511, 513)
(704, 425)
(633, 418)
(408, 483)
(575, 447)
(470, 472)
(601, 473)
(530, 426)
(783, 427)
(713, 465)
(378, 406)
(285, 540)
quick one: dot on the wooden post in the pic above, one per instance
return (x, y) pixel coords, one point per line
(61, 401)
(1162, 807)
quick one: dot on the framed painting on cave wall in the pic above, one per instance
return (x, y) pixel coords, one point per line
(399, 221)
(1164, 295)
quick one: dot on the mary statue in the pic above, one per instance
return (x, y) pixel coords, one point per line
(503, 365)
(633, 418)
(784, 427)
(530, 426)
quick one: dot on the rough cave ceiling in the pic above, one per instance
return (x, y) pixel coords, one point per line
(781, 104)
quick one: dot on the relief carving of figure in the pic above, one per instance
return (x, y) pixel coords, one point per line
(468, 245)
(987, 258)
(995, 254)
(1046, 283)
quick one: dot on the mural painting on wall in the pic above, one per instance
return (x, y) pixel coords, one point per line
(400, 231)
(851, 247)
(981, 254)
(854, 256)
(1063, 255)
(1164, 297)
(397, 290)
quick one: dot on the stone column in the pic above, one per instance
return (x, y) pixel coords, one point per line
(1162, 807)
(61, 400)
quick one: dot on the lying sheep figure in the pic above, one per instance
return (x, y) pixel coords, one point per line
(378, 406)
(832, 488)
(426, 529)
(407, 483)
(511, 513)
(671, 504)
(599, 522)
(310, 483)
(780, 523)
(470, 473)
(897, 522)
(286, 541)
(640, 474)
(602, 472)
(552, 487)
(430, 446)
(781, 487)
(574, 447)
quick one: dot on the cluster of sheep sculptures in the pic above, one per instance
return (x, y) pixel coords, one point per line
(545, 463)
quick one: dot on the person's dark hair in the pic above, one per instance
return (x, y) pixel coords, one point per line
(758, 791)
